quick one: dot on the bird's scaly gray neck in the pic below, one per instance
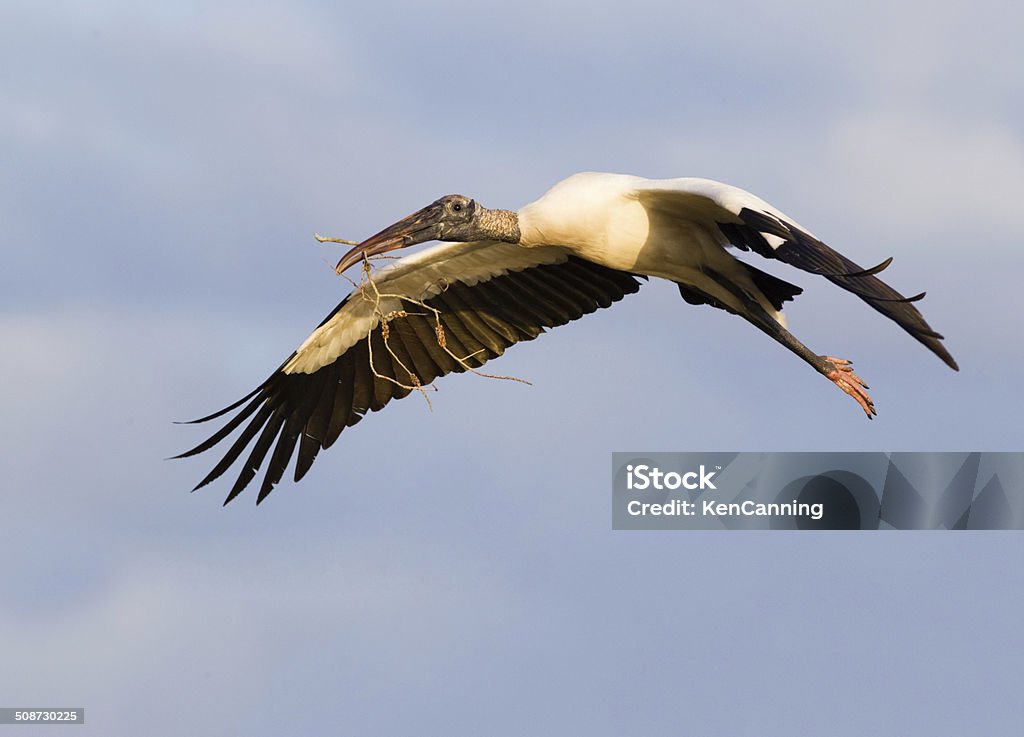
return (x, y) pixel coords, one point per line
(499, 225)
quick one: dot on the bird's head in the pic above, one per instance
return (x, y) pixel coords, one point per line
(454, 218)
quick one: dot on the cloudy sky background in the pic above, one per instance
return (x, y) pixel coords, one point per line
(162, 170)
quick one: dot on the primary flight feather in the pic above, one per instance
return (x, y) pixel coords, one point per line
(502, 277)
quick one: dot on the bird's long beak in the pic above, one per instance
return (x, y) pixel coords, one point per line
(419, 227)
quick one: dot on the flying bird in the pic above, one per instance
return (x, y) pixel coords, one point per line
(500, 277)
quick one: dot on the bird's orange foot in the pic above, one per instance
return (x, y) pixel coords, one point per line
(842, 376)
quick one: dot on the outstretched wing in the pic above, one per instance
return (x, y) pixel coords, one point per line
(446, 309)
(751, 224)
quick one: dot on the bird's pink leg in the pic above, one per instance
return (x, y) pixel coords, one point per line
(836, 370)
(841, 374)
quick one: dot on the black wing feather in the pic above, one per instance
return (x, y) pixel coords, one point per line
(479, 322)
(804, 251)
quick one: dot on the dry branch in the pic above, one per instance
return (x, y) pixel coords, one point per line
(375, 296)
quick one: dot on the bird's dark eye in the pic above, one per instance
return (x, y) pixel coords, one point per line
(457, 207)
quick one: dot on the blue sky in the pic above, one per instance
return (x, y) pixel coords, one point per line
(163, 170)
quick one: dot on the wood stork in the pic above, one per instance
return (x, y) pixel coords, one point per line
(503, 277)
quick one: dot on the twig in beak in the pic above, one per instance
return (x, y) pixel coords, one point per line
(327, 239)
